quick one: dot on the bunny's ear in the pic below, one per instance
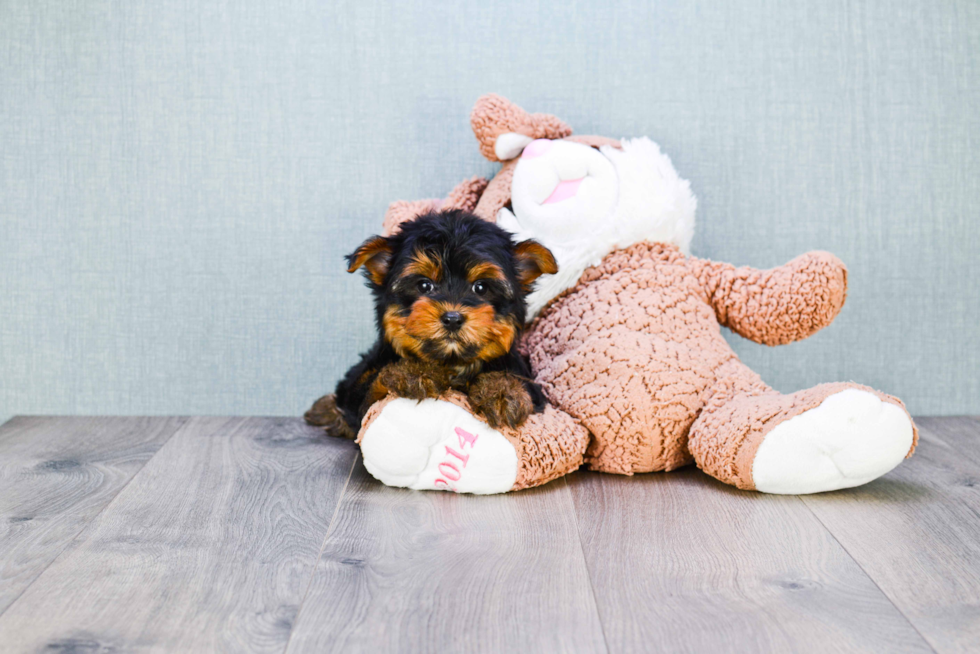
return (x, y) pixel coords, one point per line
(464, 195)
(503, 128)
(402, 211)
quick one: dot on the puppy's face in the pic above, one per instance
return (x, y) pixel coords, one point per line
(450, 288)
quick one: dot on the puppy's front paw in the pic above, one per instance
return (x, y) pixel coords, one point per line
(410, 379)
(501, 398)
(325, 413)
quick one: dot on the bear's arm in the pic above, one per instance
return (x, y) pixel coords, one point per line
(776, 306)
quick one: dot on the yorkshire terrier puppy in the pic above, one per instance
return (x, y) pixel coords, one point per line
(449, 292)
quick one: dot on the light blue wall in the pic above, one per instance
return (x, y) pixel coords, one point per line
(179, 180)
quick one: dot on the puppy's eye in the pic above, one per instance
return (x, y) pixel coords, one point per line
(425, 286)
(480, 288)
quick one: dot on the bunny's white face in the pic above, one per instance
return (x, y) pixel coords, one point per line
(583, 203)
(563, 191)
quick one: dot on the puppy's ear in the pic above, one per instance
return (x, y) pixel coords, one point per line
(375, 255)
(533, 260)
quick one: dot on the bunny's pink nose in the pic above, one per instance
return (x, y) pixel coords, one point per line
(536, 148)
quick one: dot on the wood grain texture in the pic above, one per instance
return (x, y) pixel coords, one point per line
(408, 571)
(682, 563)
(204, 535)
(916, 532)
(210, 547)
(961, 432)
(56, 475)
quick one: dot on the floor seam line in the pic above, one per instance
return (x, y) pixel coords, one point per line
(323, 545)
(588, 573)
(69, 541)
(868, 575)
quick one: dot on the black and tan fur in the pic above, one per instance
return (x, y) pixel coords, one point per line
(449, 293)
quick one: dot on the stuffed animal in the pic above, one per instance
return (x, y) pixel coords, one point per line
(626, 338)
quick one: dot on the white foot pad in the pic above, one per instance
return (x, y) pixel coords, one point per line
(436, 445)
(849, 440)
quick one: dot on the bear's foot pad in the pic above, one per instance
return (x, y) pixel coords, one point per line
(437, 445)
(851, 438)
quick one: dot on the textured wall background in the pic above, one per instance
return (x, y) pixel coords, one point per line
(178, 181)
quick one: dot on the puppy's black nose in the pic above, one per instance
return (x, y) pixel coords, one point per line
(453, 320)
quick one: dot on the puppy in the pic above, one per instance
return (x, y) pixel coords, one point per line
(449, 292)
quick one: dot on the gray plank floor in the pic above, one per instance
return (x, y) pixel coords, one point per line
(258, 534)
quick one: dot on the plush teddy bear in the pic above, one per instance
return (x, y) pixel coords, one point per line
(626, 338)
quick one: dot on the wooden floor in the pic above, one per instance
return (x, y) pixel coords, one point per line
(242, 534)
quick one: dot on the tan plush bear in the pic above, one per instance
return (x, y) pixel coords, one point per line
(626, 338)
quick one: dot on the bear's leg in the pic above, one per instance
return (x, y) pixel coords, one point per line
(823, 438)
(637, 393)
(441, 445)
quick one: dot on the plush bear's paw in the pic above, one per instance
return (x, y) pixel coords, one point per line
(437, 445)
(850, 439)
